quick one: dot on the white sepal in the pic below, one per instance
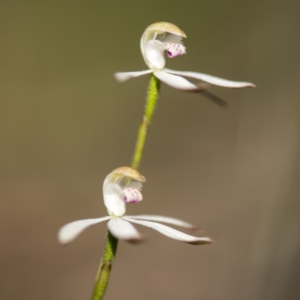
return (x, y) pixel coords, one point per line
(71, 230)
(166, 220)
(154, 53)
(123, 76)
(171, 233)
(176, 82)
(212, 79)
(123, 230)
(114, 199)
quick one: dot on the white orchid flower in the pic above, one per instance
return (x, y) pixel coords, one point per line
(120, 187)
(163, 36)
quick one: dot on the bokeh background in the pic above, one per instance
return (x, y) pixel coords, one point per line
(65, 123)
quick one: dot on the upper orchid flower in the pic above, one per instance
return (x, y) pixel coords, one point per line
(123, 186)
(163, 36)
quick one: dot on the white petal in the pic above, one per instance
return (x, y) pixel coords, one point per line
(71, 230)
(176, 82)
(123, 76)
(171, 233)
(154, 54)
(114, 199)
(123, 230)
(147, 36)
(167, 220)
(212, 79)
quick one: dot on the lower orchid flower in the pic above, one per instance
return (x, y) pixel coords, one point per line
(120, 187)
(163, 36)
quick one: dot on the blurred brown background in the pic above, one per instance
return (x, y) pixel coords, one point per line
(65, 123)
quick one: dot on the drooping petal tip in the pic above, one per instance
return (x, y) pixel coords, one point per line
(201, 241)
(252, 85)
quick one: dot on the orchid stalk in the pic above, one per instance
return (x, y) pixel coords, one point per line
(123, 185)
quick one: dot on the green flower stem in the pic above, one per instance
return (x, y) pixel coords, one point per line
(111, 242)
(105, 267)
(153, 92)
